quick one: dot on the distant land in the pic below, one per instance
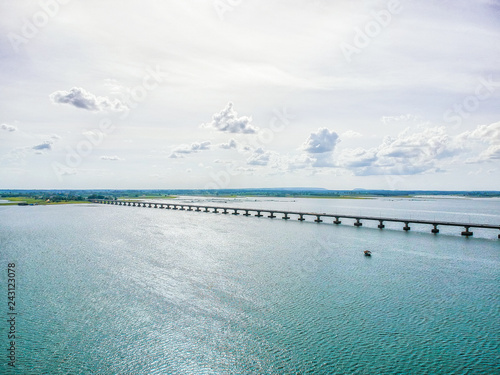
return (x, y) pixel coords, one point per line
(15, 196)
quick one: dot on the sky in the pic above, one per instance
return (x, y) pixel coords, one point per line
(222, 94)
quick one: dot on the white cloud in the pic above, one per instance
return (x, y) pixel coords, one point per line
(228, 121)
(320, 146)
(259, 157)
(321, 141)
(81, 98)
(113, 158)
(194, 147)
(492, 152)
(46, 145)
(483, 133)
(298, 162)
(228, 145)
(9, 128)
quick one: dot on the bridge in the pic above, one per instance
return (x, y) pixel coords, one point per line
(259, 212)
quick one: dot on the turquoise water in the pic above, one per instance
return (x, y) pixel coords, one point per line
(111, 289)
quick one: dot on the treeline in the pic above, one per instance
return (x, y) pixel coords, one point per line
(82, 195)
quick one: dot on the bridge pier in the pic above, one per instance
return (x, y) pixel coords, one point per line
(406, 227)
(337, 220)
(435, 230)
(182, 208)
(206, 209)
(286, 217)
(215, 210)
(272, 216)
(358, 223)
(301, 217)
(258, 214)
(189, 208)
(318, 219)
(225, 211)
(381, 224)
(246, 213)
(174, 207)
(236, 212)
(467, 232)
(198, 209)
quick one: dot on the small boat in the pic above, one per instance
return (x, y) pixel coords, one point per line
(368, 253)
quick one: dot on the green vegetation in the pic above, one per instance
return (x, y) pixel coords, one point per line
(30, 200)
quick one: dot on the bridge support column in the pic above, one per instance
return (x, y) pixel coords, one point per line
(258, 214)
(182, 208)
(225, 211)
(467, 232)
(301, 217)
(337, 220)
(357, 223)
(246, 213)
(189, 208)
(286, 217)
(236, 212)
(381, 224)
(406, 227)
(198, 209)
(318, 219)
(272, 216)
(435, 230)
(216, 211)
(206, 209)
(156, 206)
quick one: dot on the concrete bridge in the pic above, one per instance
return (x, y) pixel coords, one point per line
(260, 212)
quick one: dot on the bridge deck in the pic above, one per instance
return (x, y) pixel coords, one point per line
(318, 214)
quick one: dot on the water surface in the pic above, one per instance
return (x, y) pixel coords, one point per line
(112, 289)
